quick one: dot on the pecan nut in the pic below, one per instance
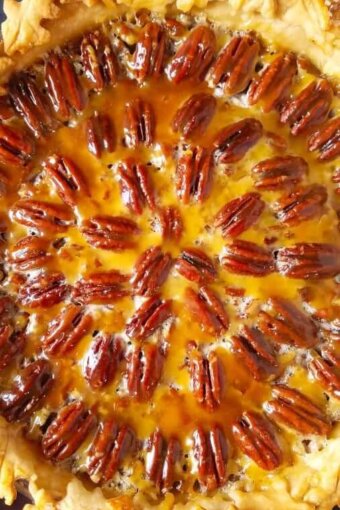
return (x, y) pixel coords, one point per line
(233, 142)
(139, 123)
(44, 290)
(161, 461)
(29, 253)
(211, 453)
(144, 370)
(196, 266)
(12, 343)
(99, 60)
(43, 216)
(326, 140)
(100, 134)
(194, 173)
(110, 232)
(170, 223)
(15, 146)
(325, 369)
(102, 361)
(301, 205)
(279, 172)
(245, 257)
(148, 58)
(6, 109)
(100, 288)
(136, 186)
(151, 271)
(207, 378)
(239, 214)
(194, 116)
(149, 317)
(208, 309)
(308, 261)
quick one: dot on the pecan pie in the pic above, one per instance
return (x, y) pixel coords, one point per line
(170, 255)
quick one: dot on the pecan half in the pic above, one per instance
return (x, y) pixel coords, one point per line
(102, 360)
(288, 325)
(161, 460)
(151, 271)
(208, 309)
(136, 186)
(274, 83)
(100, 134)
(144, 370)
(239, 214)
(194, 173)
(233, 142)
(324, 370)
(110, 232)
(12, 343)
(326, 140)
(148, 58)
(6, 109)
(170, 222)
(99, 60)
(308, 261)
(235, 64)
(67, 431)
(109, 447)
(301, 205)
(309, 108)
(28, 391)
(44, 216)
(100, 288)
(245, 257)
(29, 253)
(207, 378)
(255, 353)
(194, 116)
(254, 436)
(279, 172)
(194, 56)
(211, 453)
(15, 146)
(139, 123)
(149, 317)
(43, 290)
(294, 410)
(67, 178)
(66, 330)
(196, 266)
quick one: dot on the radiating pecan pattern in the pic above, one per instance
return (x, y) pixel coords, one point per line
(67, 431)
(139, 123)
(279, 172)
(207, 378)
(136, 186)
(255, 438)
(327, 371)
(29, 389)
(273, 84)
(292, 409)
(144, 370)
(245, 257)
(309, 108)
(194, 56)
(66, 330)
(208, 309)
(100, 288)
(148, 58)
(301, 205)
(239, 214)
(149, 317)
(102, 360)
(233, 142)
(151, 271)
(194, 173)
(309, 260)
(15, 147)
(110, 232)
(28, 253)
(235, 64)
(12, 343)
(43, 290)
(211, 453)
(170, 222)
(100, 134)
(194, 116)
(161, 460)
(43, 216)
(196, 266)
(99, 60)
(326, 140)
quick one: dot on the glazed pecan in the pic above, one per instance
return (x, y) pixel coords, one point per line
(208, 309)
(235, 140)
(43, 290)
(136, 186)
(273, 84)
(211, 453)
(100, 134)
(67, 431)
(5, 182)
(109, 447)
(151, 271)
(66, 330)
(326, 370)
(245, 257)
(161, 460)
(11, 343)
(239, 214)
(235, 64)
(148, 58)
(29, 253)
(110, 232)
(301, 205)
(207, 378)
(102, 360)
(67, 178)
(100, 288)
(139, 123)
(288, 325)
(326, 140)
(255, 353)
(99, 61)
(194, 116)
(28, 391)
(43, 216)
(294, 410)
(15, 147)
(63, 86)
(309, 108)
(194, 56)
(149, 317)
(170, 222)
(255, 438)
(194, 173)
(196, 266)
(336, 180)
(144, 370)
(279, 172)
(308, 260)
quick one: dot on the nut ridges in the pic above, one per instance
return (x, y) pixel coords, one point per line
(43, 290)
(150, 271)
(144, 370)
(43, 216)
(148, 58)
(194, 265)
(161, 461)
(139, 123)
(99, 60)
(326, 140)
(110, 232)
(301, 205)
(136, 186)
(194, 173)
(16, 148)
(194, 116)
(169, 222)
(211, 453)
(245, 257)
(28, 253)
(103, 287)
(149, 317)
(239, 214)
(233, 142)
(279, 172)
(100, 134)
(102, 360)
(326, 370)
(208, 310)
(308, 261)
